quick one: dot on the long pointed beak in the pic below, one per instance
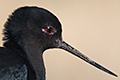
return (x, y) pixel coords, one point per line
(72, 50)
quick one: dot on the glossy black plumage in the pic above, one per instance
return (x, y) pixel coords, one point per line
(24, 27)
(28, 32)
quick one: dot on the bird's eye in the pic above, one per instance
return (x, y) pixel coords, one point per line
(49, 30)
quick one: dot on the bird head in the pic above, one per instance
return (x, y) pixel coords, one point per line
(42, 29)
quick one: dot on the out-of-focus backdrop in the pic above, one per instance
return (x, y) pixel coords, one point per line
(91, 26)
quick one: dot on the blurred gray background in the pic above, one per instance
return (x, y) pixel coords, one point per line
(91, 26)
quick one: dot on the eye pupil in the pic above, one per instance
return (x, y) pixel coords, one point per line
(49, 30)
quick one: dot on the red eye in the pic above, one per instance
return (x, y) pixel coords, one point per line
(49, 30)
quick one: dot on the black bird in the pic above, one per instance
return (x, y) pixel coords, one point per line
(28, 32)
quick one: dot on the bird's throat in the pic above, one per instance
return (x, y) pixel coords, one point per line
(35, 59)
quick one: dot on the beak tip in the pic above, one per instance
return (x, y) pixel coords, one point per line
(116, 75)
